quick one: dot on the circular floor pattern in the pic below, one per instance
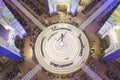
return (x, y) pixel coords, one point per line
(62, 48)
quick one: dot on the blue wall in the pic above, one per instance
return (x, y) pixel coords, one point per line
(113, 56)
(6, 53)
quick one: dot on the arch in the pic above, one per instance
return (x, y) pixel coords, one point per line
(61, 5)
(106, 42)
(4, 33)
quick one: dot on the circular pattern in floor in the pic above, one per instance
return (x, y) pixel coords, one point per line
(62, 48)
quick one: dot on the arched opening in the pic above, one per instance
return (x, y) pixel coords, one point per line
(106, 42)
(62, 8)
(4, 33)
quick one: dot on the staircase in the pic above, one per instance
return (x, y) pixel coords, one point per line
(32, 72)
(90, 73)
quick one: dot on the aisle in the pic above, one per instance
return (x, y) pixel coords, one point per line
(95, 14)
(28, 14)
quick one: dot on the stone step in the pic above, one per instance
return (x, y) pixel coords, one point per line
(32, 72)
(90, 72)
